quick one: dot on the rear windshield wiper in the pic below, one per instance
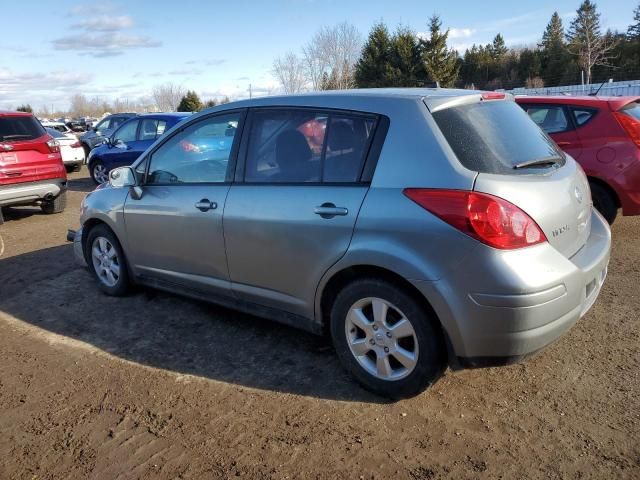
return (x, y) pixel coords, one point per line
(539, 162)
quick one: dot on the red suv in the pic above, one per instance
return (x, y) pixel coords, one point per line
(603, 135)
(31, 168)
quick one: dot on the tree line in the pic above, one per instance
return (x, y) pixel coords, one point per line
(337, 57)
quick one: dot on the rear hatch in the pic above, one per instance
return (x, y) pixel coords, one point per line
(518, 162)
(25, 155)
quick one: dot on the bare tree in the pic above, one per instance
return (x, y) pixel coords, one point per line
(167, 96)
(80, 106)
(290, 72)
(331, 55)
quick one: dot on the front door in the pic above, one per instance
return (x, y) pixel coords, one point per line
(293, 215)
(174, 231)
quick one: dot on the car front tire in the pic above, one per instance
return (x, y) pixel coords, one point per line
(107, 261)
(387, 339)
(99, 172)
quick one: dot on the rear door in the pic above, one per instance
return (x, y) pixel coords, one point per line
(24, 153)
(292, 213)
(556, 121)
(516, 161)
(174, 231)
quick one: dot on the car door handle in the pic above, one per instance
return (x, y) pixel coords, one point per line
(205, 205)
(563, 144)
(329, 210)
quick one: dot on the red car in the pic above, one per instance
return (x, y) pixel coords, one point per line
(31, 168)
(603, 135)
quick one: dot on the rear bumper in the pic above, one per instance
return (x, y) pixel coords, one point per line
(26, 193)
(75, 236)
(627, 186)
(547, 295)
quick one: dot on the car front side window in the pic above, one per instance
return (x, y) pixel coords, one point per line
(198, 154)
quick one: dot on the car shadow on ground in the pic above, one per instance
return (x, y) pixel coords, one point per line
(83, 184)
(171, 333)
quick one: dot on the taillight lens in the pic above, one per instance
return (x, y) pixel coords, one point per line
(54, 146)
(630, 125)
(493, 96)
(491, 220)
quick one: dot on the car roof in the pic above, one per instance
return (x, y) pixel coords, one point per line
(615, 103)
(10, 113)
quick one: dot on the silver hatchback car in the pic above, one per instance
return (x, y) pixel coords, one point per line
(420, 228)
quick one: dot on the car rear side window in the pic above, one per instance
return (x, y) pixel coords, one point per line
(582, 115)
(632, 109)
(495, 137)
(550, 118)
(20, 128)
(307, 146)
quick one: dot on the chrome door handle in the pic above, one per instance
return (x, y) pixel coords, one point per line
(205, 205)
(329, 210)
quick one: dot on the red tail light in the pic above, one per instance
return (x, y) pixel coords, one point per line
(630, 125)
(493, 96)
(491, 220)
(76, 145)
(54, 146)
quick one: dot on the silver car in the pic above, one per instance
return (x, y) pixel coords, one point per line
(419, 228)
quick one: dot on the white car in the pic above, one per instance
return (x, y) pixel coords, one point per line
(70, 148)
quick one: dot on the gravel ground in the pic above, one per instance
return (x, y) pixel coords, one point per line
(156, 386)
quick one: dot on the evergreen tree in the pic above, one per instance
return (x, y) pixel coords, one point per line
(372, 69)
(405, 66)
(633, 32)
(25, 108)
(190, 102)
(555, 56)
(585, 39)
(498, 48)
(440, 63)
(210, 103)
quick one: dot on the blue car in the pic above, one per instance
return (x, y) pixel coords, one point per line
(130, 140)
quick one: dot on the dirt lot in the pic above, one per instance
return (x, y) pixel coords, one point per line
(155, 386)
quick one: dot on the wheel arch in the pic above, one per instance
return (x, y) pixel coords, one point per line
(339, 279)
(89, 225)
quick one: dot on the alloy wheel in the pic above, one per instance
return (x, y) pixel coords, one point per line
(105, 261)
(100, 173)
(381, 338)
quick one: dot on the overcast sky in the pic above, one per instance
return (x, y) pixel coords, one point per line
(120, 49)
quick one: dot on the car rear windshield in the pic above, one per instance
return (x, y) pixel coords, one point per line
(497, 137)
(632, 109)
(19, 128)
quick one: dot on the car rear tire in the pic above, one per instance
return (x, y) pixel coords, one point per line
(57, 205)
(107, 261)
(99, 173)
(604, 201)
(386, 339)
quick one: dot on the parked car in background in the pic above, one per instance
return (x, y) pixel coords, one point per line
(105, 127)
(419, 227)
(75, 126)
(59, 126)
(603, 135)
(31, 168)
(70, 149)
(128, 141)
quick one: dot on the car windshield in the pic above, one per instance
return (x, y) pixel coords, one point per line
(54, 133)
(497, 137)
(20, 128)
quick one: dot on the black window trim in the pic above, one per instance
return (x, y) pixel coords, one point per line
(233, 155)
(373, 148)
(571, 124)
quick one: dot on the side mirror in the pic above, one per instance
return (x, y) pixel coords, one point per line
(119, 144)
(122, 177)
